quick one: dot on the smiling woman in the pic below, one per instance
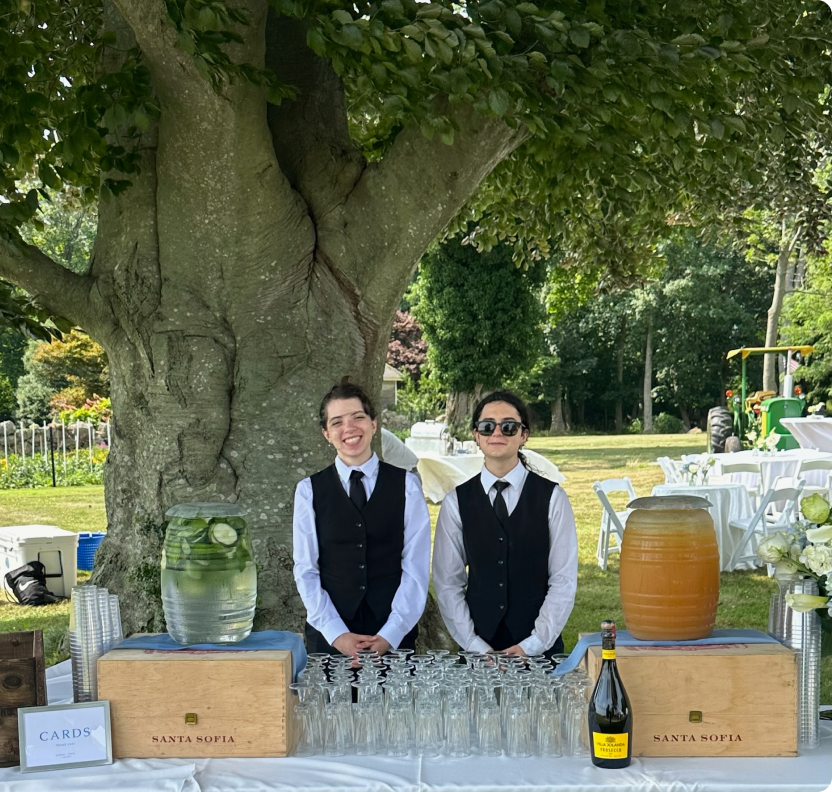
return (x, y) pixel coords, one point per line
(361, 539)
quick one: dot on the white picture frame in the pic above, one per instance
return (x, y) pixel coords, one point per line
(64, 736)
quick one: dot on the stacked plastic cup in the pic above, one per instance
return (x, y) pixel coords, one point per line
(115, 616)
(94, 628)
(802, 632)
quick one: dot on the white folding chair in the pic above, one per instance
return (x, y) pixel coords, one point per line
(612, 521)
(671, 472)
(751, 528)
(807, 465)
(730, 468)
(782, 512)
(762, 524)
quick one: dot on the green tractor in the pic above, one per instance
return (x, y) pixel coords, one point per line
(761, 412)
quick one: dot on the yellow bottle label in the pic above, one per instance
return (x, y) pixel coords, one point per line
(610, 746)
(608, 654)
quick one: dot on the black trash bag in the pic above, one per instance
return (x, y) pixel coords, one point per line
(28, 583)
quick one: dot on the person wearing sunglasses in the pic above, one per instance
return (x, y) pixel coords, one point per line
(505, 558)
(361, 533)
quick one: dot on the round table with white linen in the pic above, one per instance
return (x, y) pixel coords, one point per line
(441, 474)
(780, 463)
(814, 432)
(728, 502)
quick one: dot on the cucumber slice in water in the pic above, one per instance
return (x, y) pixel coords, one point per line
(222, 533)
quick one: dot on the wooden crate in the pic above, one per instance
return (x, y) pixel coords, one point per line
(22, 684)
(745, 695)
(240, 702)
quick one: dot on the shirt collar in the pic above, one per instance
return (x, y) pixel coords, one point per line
(515, 477)
(369, 468)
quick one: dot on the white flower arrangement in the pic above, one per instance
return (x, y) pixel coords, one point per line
(805, 550)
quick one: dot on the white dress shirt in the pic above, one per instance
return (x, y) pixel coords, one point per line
(410, 597)
(450, 578)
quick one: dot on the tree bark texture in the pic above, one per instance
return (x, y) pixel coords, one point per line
(648, 380)
(460, 408)
(788, 242)
(255, 261)
(558, 425)
(619, 377)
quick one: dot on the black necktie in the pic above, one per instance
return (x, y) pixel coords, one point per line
(358, 495)
(500, 508)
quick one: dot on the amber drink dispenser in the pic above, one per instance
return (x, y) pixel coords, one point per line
(669, 574)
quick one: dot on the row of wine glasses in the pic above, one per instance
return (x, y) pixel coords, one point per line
(439, 703)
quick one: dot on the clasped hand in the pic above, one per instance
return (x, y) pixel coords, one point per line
(352, 643)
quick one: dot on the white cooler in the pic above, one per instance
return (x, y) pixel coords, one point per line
(54, 547)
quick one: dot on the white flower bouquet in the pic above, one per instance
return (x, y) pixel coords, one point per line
(804, 550)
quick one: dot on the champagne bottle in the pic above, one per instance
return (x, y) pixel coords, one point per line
(610, 714)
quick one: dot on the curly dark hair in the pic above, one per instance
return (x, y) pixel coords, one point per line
(346, 390)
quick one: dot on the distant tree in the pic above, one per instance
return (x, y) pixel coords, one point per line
(407, 350)
(8, 403)
(61, 375)
(481, 316)
(711, 300)
(66, 232)
(806, 319)
(12, 347)
(700, 301)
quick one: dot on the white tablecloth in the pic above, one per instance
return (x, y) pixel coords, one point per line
(811, 432)
(783, 463)
(441, 474)
(729, 502)
(809, 772)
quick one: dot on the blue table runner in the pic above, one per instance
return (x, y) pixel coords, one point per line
(264, 639)
(623, 638)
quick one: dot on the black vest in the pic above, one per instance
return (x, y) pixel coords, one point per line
(360, 553)
(508, 568)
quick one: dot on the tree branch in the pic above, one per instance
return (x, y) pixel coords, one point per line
(402, 203)
(56, 288)
(311, 137)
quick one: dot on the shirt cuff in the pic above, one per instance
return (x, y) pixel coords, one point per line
(392, 634)
(532, 645)
(478, 645)
(332, 629)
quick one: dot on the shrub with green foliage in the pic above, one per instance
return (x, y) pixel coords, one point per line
(635, 426)
(665, 423)
(8, 403)
(423, 400)
(93, 411)
(17, 473)
(33, 396)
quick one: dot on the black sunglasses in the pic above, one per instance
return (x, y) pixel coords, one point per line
(508, 428)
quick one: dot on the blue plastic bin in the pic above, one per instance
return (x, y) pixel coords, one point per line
(87, 545)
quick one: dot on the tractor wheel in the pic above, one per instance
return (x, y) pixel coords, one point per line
(732, 444)
(720, 426)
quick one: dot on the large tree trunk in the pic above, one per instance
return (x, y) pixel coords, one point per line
(619, 378)
(648, 380)
(557, 426)
(788, 241)
(460, 407)
(252, 264)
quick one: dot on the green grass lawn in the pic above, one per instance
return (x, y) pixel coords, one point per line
(71, 508)
(744, 595)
